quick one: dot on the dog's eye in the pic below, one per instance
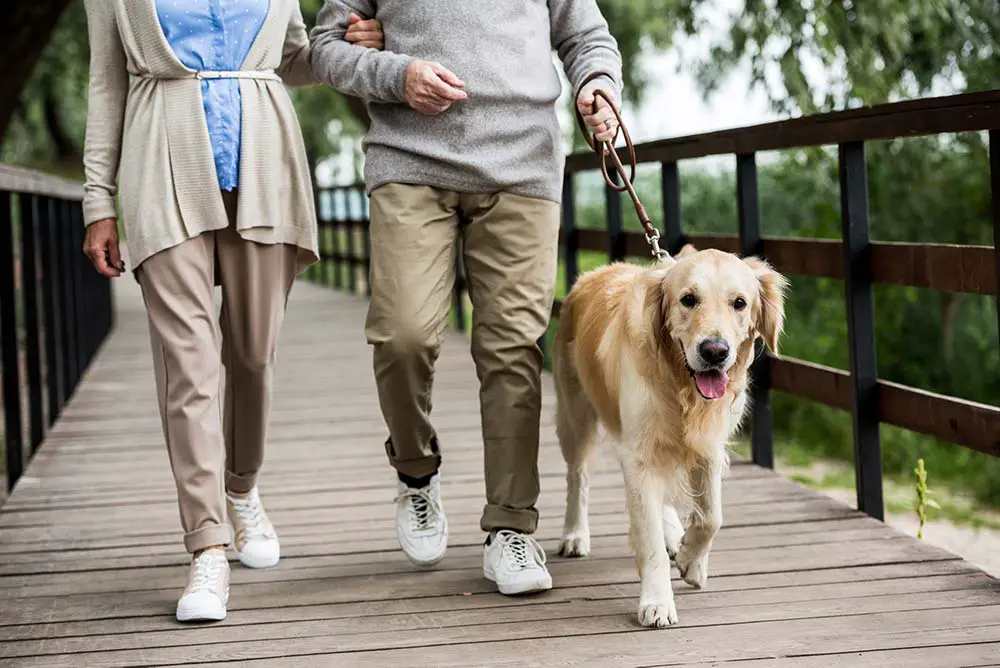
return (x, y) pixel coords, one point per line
(739, 303)
(689, 301)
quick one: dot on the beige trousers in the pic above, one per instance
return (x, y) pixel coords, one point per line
(209, 451)
(509, 251)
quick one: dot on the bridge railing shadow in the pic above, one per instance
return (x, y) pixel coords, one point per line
(55, 311)
(854, 259)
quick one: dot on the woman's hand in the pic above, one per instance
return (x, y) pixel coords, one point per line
(101, 246)
(365, 32)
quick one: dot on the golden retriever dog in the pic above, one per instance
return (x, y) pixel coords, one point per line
(659, 357)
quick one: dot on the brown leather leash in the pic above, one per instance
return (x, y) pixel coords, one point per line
(606, 148)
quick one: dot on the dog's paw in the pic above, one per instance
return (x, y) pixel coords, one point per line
(657, 614)
(574, 545)
(693, 568)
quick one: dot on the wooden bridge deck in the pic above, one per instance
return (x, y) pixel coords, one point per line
(91, 560)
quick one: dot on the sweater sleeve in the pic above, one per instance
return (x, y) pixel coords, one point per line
(584, 43)
(105, 111)
(295, 68)
(370, 74)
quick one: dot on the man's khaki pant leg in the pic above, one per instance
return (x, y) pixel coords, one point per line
(413, 234)
(256, 279)
(177, 286)
(511, 255)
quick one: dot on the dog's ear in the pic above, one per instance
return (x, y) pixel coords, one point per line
(769, 316)
(687, 249)
(656, 308)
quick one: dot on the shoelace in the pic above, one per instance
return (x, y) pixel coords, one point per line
(423, 508)
(207, 569)
(520, 549)
(251, 515)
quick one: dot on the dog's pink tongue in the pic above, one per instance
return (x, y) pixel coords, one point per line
(711, 384)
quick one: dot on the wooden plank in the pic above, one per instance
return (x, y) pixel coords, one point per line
(597, 641)
(701, 610)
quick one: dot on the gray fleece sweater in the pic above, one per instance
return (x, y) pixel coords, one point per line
(506, 135)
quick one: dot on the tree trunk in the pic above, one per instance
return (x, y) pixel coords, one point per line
(24, 32)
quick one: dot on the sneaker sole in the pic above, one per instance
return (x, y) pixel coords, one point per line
(249, 562)
(529, 587)
(213, 615)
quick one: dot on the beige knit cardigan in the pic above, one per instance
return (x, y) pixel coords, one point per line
(146, 128)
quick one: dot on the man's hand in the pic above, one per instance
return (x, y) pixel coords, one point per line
(366, 33)
(101, 246)
(602, 124)
(431, 89)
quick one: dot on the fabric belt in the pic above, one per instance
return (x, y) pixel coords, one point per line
(202, 75)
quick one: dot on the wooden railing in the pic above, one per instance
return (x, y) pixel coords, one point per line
(855, 259)
(55, 311)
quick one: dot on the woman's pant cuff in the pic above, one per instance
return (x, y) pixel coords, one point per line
(209, 536)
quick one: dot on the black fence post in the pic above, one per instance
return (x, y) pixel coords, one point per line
(9, 352)
(79, 290)
(670, 191)
(761, 432)
(861, 327)
(64, 290)
(54, 345)
(32, 331)
(570, 233)
(613, 212)
(995, 194)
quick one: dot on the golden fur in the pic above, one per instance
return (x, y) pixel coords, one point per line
(624, 355)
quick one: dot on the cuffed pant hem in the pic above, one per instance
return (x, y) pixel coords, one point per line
(213, 534)
(240, 484)
(524, 520)
(419, 467)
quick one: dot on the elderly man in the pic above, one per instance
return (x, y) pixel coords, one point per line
(465, 145)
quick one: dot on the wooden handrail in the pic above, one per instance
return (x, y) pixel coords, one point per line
(29, 182)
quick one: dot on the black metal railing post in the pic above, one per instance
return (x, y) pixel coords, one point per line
(748, 205)
(670, 191)
(10, 356)
(32, 330)
(570, 233)
(366, 240)
(54, 345)
(458, 287)
(861, 327)
(995, 195)
(613, 211)
(67, 309)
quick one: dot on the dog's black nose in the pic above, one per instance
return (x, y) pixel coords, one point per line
(714, 351)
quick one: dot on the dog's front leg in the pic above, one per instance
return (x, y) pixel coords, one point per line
(644, 495)
(692, 561)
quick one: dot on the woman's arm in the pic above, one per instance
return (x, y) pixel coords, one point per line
(105, 112)
(295, 69)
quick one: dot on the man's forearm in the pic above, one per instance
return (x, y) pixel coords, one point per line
(372, 75)
(585, 45)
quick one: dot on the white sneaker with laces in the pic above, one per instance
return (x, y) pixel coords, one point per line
(254, 538)
(207, 593)
(516, 563)
(421, 527)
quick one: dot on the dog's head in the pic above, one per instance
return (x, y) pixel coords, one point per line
(713, 305)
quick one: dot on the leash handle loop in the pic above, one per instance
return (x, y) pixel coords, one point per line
(607, 148)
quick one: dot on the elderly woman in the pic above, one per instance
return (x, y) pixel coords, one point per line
(214, 189)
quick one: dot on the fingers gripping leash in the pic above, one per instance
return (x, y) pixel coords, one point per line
(607, 148)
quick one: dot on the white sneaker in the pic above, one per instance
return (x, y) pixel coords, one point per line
(254, 539)
(207, 592)
(516, 563)
(421, 526)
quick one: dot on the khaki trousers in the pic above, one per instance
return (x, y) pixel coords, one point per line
(207, 451)
(509, 251)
